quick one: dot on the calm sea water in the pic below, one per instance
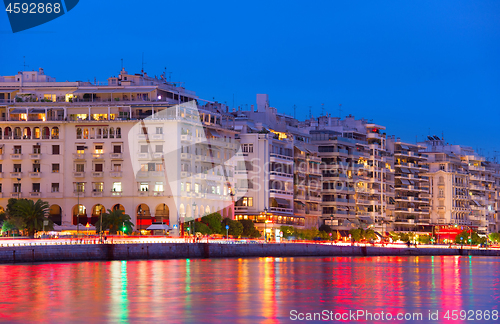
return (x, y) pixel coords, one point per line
(254, 290)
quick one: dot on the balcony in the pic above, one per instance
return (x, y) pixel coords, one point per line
(16, 195)
(35, 194)
(16, 156)
(116, 174)
(186, 138)
(116, 155)
(143, 156)
(98, 156)
(186, 156)
(116, 193)
(143, 193)
(35, 156)
(79, 156)
(78, 194)
(157, 193)
(156, 137)
(97, 194)
(16, 174)
(35, 174)
(79, 174)
(97, 174)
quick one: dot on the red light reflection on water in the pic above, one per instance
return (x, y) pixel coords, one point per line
(262, 290)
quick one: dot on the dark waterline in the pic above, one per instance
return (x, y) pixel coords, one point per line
(253, 290)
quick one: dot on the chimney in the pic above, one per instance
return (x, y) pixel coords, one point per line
(40, 71)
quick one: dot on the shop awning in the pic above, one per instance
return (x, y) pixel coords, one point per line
(282, 202)
(405, 170)
(8, 90)
(213, 132)
(37, 111)
(404, 181)
(18, 111)
(159, 227)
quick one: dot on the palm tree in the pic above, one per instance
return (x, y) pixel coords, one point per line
(33, 214)
(114, 220)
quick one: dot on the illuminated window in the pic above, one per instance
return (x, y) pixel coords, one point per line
(98, 149)
(50, 97)
(196, 187)
(85, 133)
(188, 186)
(117, 186)
(159, 186)
(80, 149)
(98, 186)
(144, 186)
(182, 186)
(69, 97)
(79, 186)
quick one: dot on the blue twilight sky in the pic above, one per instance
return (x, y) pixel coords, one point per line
(412, 66)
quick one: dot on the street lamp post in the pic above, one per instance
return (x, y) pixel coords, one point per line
(18, 188)
(265, 223)
(331, 226)
(194, 218)
(78, 204)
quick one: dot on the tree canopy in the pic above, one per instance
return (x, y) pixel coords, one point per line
(114, 221)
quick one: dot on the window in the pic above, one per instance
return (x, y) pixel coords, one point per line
(80, 149)
(98, 167)
(151, 166)
(55, 187)
(159, 130)
(144, 149)
(80, 167)
(98, 149)
(79, 186)
(247, 201)
(17, 149)
(182, 186)
(117, 148)
(247, 148)
(17, 168)
(159, 148)
(36, 149)
(196, 188)
(78, 133)
(159, 167)
(117, 186)
(36, 187)
(98, 186)
(17, 187)
(55, 168)
(441, 167)
(118, 132)
(0, 187)
(117, 167)
(144, 186)
(188, 186)
(55, 149)
(1, 168)
(36, 167)
(159, 186)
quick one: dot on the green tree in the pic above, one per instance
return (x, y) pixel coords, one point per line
(249, 229)
(235, 227)
(424, 239)
(203, 228)
(288, 231)
(495, 237)
(325, 228)
(369, 234)
(214, 221)
(356, 234)
(114, 221)
(32, 213)
(464, 236)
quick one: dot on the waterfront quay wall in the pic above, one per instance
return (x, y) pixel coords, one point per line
(136, 251)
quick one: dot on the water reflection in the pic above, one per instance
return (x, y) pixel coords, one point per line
(262, 290)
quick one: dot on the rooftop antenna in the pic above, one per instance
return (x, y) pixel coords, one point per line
(169, 76)
(310, 113)
(340, 111)
(24, 63)
(142, 65)
(165, 74)
(294, 110)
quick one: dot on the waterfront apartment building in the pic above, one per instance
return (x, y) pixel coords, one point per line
(140, 144)
(463, 187)
(411, 187)
(357, 172)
